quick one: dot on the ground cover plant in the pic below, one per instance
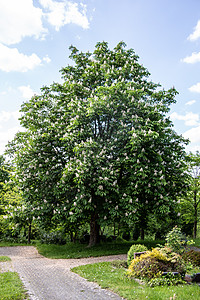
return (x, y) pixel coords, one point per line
(112, 277)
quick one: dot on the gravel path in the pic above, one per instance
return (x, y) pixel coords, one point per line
(51, 279)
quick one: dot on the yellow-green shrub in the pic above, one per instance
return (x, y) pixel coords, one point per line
(152, 263)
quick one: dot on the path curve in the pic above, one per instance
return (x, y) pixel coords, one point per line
(51, 279)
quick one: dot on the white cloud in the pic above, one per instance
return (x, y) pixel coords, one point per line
(26, 91)
(194, 58)
(196, 33)
(64, 12)
(8, 135)
(193, 134)
(195, 88)
(19, 19)
(12, 60)
(5, 116)
(9, 126)
(47, 59)
(190, 102)
(190, 118)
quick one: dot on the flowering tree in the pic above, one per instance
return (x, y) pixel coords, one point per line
(4, 174)
(99, 146)
(190, 203)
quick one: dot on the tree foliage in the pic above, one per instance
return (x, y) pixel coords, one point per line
(190, 203)
(99, 146)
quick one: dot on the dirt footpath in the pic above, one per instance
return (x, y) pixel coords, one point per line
(51, 279)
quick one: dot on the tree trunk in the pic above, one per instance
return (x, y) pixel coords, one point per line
(142, 233)
(29, 233)
(118, 229)
(195, 230)
(94, 231)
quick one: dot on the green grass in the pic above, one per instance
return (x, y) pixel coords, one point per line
(76, 250)
(12, 244)
(5, 258)
(113, 278)
(11, 287)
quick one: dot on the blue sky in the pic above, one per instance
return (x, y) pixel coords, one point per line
(34, 45)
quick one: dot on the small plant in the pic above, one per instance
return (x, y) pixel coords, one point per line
(119, 264)
(193, 257)
(133, 249)
(167, 280)
(177, 241)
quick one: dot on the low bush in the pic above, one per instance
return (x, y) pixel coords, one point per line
(55, 237)
(119, 264)
(153, 263)
(133, 249)
(167, 280)
(177, 241)
(193, 257)
(119, 239)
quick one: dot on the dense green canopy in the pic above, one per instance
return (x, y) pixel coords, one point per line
(99, 146)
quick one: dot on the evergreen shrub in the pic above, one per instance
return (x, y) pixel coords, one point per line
(133, 249)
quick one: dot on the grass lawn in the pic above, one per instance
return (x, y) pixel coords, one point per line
(113, 278)
(76, 250)
(11, 287)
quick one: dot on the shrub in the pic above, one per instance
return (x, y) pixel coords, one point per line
(119, 239)
(119, 264)
(153, 263)
(167, 280)
(55, 237)
(177, 241)
(193, 257)
(133, 249)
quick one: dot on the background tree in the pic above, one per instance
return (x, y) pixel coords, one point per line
(99, 146)
(4, 177)
(190, 204)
